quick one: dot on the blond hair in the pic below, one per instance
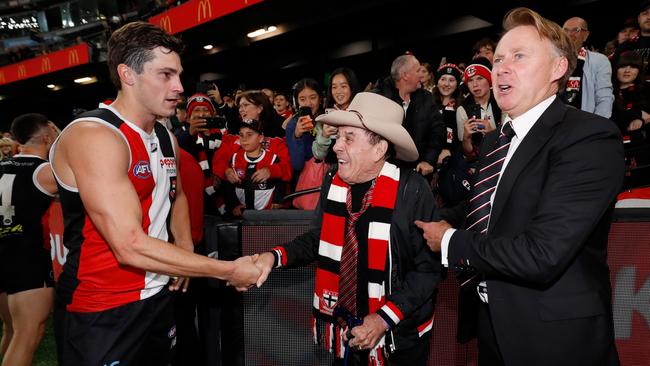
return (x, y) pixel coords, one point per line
(547, 30)
(6, 141)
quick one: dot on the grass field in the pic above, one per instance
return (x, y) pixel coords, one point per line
(46, 353)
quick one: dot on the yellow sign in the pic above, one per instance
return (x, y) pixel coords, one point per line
(46, 64)
(22, 71)
(205, 8)
(73, 57)
(166, 24)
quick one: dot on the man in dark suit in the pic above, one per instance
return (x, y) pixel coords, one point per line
(538, 219)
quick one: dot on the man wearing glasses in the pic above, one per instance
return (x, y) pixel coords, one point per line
(590, 86)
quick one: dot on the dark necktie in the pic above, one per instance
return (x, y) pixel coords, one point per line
(486, 181)
(350, 253)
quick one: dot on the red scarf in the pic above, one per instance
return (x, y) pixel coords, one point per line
(330, 248)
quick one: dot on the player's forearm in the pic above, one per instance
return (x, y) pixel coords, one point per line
(153, 255)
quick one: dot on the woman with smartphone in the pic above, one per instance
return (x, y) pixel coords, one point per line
(300, 130)
(479, 114)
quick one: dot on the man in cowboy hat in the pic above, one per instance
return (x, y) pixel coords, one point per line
(373, 264)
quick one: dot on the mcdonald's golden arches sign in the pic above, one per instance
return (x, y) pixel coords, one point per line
(22, 71)
(73, 57)
(55, 61)
(203, 11)
(46, 64)
(196, 12)
(166, 24)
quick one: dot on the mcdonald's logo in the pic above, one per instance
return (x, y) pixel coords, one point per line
(204, 10)
(22, 71)
(166, 24)
(73, 57)
(2, 77)
(46, 64)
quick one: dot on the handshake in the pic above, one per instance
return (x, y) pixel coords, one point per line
(250, 270)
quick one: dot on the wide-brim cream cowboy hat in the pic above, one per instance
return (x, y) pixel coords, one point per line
(379, 115)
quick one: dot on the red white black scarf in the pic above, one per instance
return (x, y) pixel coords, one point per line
(573, 92)
(207, 145)
(326, 291)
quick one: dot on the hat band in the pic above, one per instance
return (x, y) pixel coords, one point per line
(360, 118)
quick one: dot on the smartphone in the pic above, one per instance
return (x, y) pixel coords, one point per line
(477, 138)
(203, 87)
(304, 111)
(218, 122)
(473, 110)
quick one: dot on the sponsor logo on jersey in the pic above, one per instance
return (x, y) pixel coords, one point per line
(11, 230)
(142, 170)
(168, 163)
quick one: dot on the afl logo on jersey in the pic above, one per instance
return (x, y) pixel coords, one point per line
(142, 170)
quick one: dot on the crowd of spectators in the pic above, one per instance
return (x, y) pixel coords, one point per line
(447, 110)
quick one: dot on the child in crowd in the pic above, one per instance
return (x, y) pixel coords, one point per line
(257, 169)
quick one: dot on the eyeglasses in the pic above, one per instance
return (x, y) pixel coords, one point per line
(574, 30)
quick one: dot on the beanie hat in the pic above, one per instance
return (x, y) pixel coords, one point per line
(449, 69)
(479, 66)
(253, 125)
(199, 99)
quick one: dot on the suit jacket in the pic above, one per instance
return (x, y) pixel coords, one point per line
(544, 255)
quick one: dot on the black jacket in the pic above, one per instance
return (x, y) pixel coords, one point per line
(415, 269)
(423, 121)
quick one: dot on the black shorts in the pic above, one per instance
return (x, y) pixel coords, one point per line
(24, 267)
(139, 333)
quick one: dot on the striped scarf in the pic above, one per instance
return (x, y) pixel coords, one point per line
(332, 237)
(207, 145)
(573, 91)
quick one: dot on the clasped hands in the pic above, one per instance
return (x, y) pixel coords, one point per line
(251, 271)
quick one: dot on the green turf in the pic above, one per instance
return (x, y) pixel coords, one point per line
(46, 353)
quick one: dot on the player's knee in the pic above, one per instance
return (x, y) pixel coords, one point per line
(33, 331)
